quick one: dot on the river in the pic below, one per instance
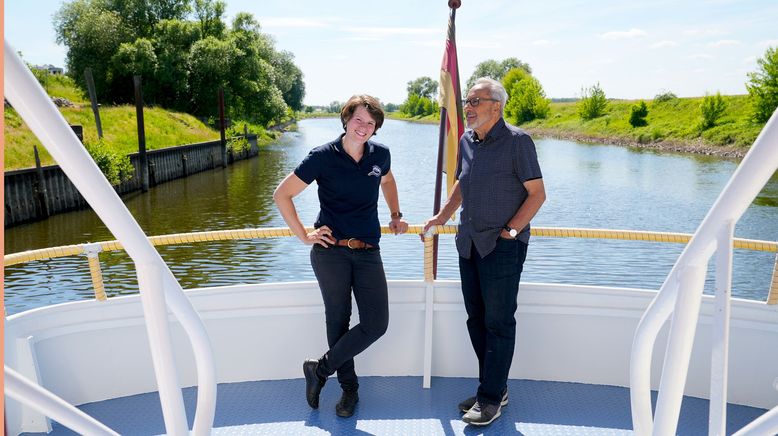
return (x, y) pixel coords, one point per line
(588, 185)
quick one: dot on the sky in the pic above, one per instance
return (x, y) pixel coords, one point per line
(634, 49)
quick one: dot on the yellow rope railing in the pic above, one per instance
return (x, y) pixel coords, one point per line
(92, 250)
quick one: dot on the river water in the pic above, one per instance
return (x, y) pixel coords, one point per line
(588, 185)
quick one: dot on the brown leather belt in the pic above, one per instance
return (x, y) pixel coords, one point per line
(352, 243)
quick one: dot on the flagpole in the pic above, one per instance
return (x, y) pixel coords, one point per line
(443, 136)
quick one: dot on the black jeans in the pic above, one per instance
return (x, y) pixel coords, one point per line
(339, 270)
(490, 286)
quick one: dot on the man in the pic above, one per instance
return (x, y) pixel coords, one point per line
(500, 188)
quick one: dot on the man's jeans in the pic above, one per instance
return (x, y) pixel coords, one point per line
(340, 270)
(490, 286)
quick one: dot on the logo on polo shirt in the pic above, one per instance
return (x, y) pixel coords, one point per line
(375, 172)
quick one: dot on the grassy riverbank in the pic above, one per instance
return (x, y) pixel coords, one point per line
(163, 128)
(672, 125)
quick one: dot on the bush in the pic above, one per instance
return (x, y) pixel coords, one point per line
(527, 99)
(416, 105)
(116, 168)
(664, 96)
(711, 109)
(763, 86)
(638, 114)
(593, 103)
(238, 144)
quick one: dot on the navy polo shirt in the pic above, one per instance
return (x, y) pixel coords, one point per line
(348, 190)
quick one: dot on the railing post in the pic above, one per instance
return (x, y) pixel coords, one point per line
(679, 347)
(429, 306)
(152, 296)
(717, 416)
(92, 253)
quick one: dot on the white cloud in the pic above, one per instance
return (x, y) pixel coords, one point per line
(701, 56)
(664, 44)
(629, 34)
(723, 43)
(750, 60)
(541, 42)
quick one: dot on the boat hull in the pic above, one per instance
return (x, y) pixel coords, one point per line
(91, 351)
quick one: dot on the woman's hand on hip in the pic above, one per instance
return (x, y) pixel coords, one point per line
(321, 236)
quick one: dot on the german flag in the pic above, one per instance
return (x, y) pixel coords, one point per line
(450, 101)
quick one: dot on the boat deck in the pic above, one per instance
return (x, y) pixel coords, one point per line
(400, 406)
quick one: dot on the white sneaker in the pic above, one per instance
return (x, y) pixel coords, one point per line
(478, 415)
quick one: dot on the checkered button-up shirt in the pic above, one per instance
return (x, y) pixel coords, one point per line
(491, 173)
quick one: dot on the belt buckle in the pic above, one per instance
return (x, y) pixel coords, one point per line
(348, 243)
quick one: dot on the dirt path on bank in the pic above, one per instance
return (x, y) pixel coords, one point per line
(668, 145)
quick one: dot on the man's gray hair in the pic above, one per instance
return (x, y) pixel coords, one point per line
(496, 90)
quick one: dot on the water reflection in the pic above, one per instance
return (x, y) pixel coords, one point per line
(588, 185)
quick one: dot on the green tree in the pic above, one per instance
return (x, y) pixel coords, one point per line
(334, 106)
(172, 41)
(209, 14)
(418, 106)
(763, 86)
(638, 114)
(289, 79)
(423, 87)
(137, 58)
(711, 109)
(93, 35)
(593, 103)
(142, 15)
(183, 63)
(526, 98)
(420, 101)
(209, 69)
(496, 70)
(254, 81)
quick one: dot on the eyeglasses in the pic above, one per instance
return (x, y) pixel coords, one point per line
(475, 101)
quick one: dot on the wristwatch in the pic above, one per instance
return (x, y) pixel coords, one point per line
(397, 214)
(512, 232)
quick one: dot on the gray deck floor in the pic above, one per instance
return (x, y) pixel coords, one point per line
(400, 406)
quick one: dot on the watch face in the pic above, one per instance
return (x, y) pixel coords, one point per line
(513, 233)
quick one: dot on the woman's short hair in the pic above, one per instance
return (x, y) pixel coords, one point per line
(496, 90)
(370, 103)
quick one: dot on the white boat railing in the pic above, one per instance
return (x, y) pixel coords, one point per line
(159, 290)
(680, 297)
(21, 389)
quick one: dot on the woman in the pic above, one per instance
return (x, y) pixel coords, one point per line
(345, 256)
